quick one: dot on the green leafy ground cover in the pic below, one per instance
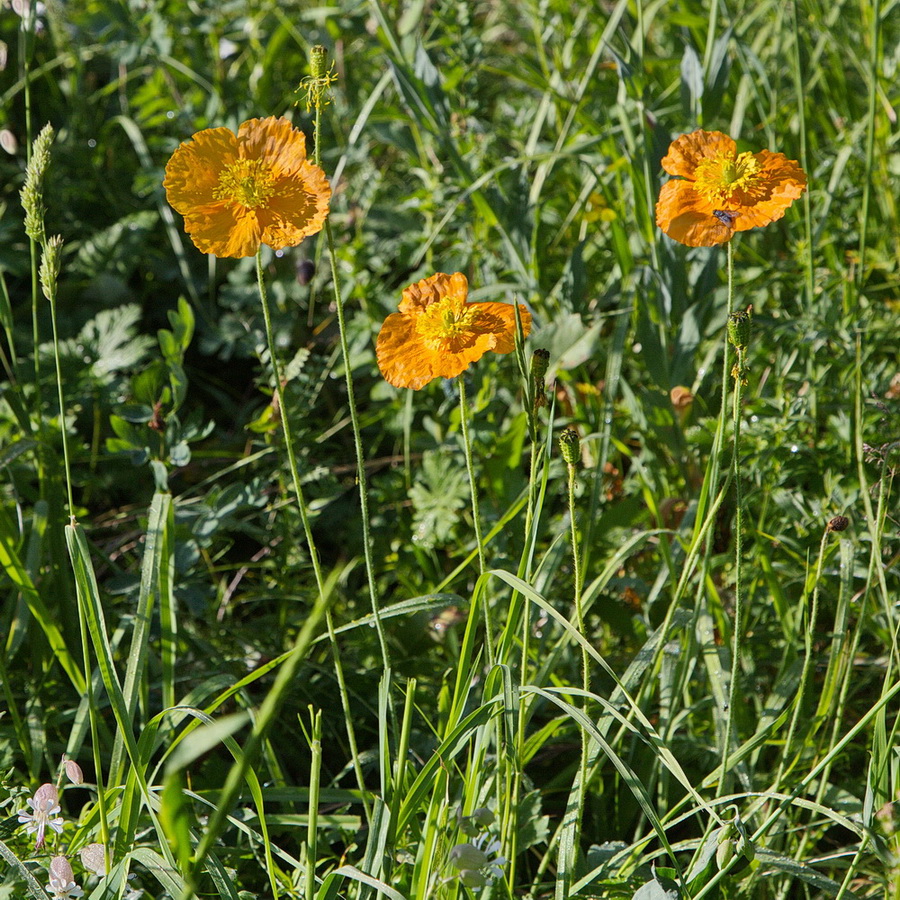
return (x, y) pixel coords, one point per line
(518, 143)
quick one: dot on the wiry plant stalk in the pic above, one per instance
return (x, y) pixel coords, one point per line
(317, 88)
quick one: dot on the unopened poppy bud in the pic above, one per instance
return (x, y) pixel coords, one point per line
(570, 446)
(318, 61)
(838, 523)
(73, 771)
(468, 856)
(739, 327)
(540, 362)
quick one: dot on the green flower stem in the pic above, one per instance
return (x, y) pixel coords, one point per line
(476, 516)
(286, 425)
(307, 529)
(567, 866)
(354, 420)
(579, 608)
(314, 739)
(62, 408)
(739, 611)
(719, 441)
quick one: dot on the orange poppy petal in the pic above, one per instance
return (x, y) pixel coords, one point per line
(429, 290)
(237, 192)
(406, 361)
(224, 229)
(274, 139)
(784, 183)
(499, 320)
(297, 209)
(689, 150)
(192, 173)
(402, 359)
(689, 218)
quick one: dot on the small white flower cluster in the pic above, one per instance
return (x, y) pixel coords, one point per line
(43, 815)
(478, 861)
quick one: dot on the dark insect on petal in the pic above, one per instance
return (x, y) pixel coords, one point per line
(725, 217)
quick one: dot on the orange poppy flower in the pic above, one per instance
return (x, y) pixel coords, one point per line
(723, 191)
(237, 192)
(437, 333)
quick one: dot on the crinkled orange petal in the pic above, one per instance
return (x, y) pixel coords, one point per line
(407, 360)
(429, 290)
(296, 209)
(224, 229)
(784, 183)
(192, 174)
(276, 140)
(689, 218)
(497, 321)
(404, 361)
(689, 150)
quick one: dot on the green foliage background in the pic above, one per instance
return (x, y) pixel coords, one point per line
(518, 143)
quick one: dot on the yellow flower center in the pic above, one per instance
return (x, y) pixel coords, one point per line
(720, 178)
(447, 325)
(249, 182)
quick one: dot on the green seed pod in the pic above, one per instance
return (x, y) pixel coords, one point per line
(318, 62)
(739, 327)
(570, 446)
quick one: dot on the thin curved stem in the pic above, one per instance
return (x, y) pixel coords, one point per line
(307, 529)
(476, 516)
(354, 421)
(739, 611)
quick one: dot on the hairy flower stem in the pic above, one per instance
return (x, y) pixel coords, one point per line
(739, 613)
(476, 516)
(570, 448)
(579, 608)
(304, 518)
(286, 426)
(354, 421)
